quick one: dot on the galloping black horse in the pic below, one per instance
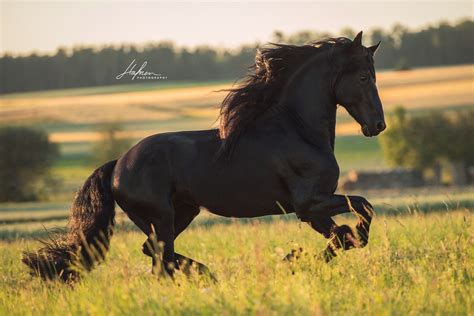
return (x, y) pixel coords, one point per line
(274, 148)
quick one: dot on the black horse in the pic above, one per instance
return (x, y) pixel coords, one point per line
(274, 148)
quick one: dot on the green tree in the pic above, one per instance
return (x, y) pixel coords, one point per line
(112, 144)
(429, 142)
(394, 141)
(459, 152)
(25, 157)
(414, 142)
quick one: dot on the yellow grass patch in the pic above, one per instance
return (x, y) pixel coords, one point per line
(128, 106)
(429, 95)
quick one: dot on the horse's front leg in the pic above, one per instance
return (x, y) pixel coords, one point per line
(319, 214)
(338, 237)
(327, 227)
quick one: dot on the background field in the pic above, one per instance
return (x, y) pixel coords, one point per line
(419, 260)
(73, 116)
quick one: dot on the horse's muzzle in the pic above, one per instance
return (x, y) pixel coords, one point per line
(379, 127)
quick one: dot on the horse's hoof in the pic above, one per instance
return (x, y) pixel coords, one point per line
(343, 237)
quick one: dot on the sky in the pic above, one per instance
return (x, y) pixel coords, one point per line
(43, 26)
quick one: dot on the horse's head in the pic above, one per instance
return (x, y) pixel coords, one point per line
(355, 87)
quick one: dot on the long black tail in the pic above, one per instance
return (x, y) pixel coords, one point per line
(89, 231)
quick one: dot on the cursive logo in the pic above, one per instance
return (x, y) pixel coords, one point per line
(140, 73)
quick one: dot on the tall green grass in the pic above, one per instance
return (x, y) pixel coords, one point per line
(414, 264)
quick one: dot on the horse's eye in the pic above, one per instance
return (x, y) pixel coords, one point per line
(363, 78)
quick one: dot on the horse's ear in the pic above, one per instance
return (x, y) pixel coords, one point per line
(373, 48)
(358, 39)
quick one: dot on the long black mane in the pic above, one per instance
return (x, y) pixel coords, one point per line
(260, 89)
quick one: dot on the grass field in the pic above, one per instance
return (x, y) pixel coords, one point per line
(419, 261)
(416, 264)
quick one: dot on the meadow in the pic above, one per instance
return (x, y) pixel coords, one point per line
(419, 259)
(415, 264)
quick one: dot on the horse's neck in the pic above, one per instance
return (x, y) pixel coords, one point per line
(311, 107)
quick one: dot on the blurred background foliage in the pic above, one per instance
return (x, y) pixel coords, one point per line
(431, 142)
(111, 144)
(26, 154)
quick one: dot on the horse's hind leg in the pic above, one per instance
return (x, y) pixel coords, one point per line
(162, 247)
(184, 215)
(159, 227)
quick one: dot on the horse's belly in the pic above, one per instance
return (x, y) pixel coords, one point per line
(243, 211)
(246, 201)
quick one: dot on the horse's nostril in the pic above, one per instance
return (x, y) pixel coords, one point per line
(365, 130)
(380, 126)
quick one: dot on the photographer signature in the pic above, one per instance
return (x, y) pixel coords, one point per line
(140, 73)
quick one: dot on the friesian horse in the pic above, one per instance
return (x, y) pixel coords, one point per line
(274, 149)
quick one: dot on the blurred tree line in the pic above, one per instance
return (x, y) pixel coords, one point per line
(432, 142)
(443, 44)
